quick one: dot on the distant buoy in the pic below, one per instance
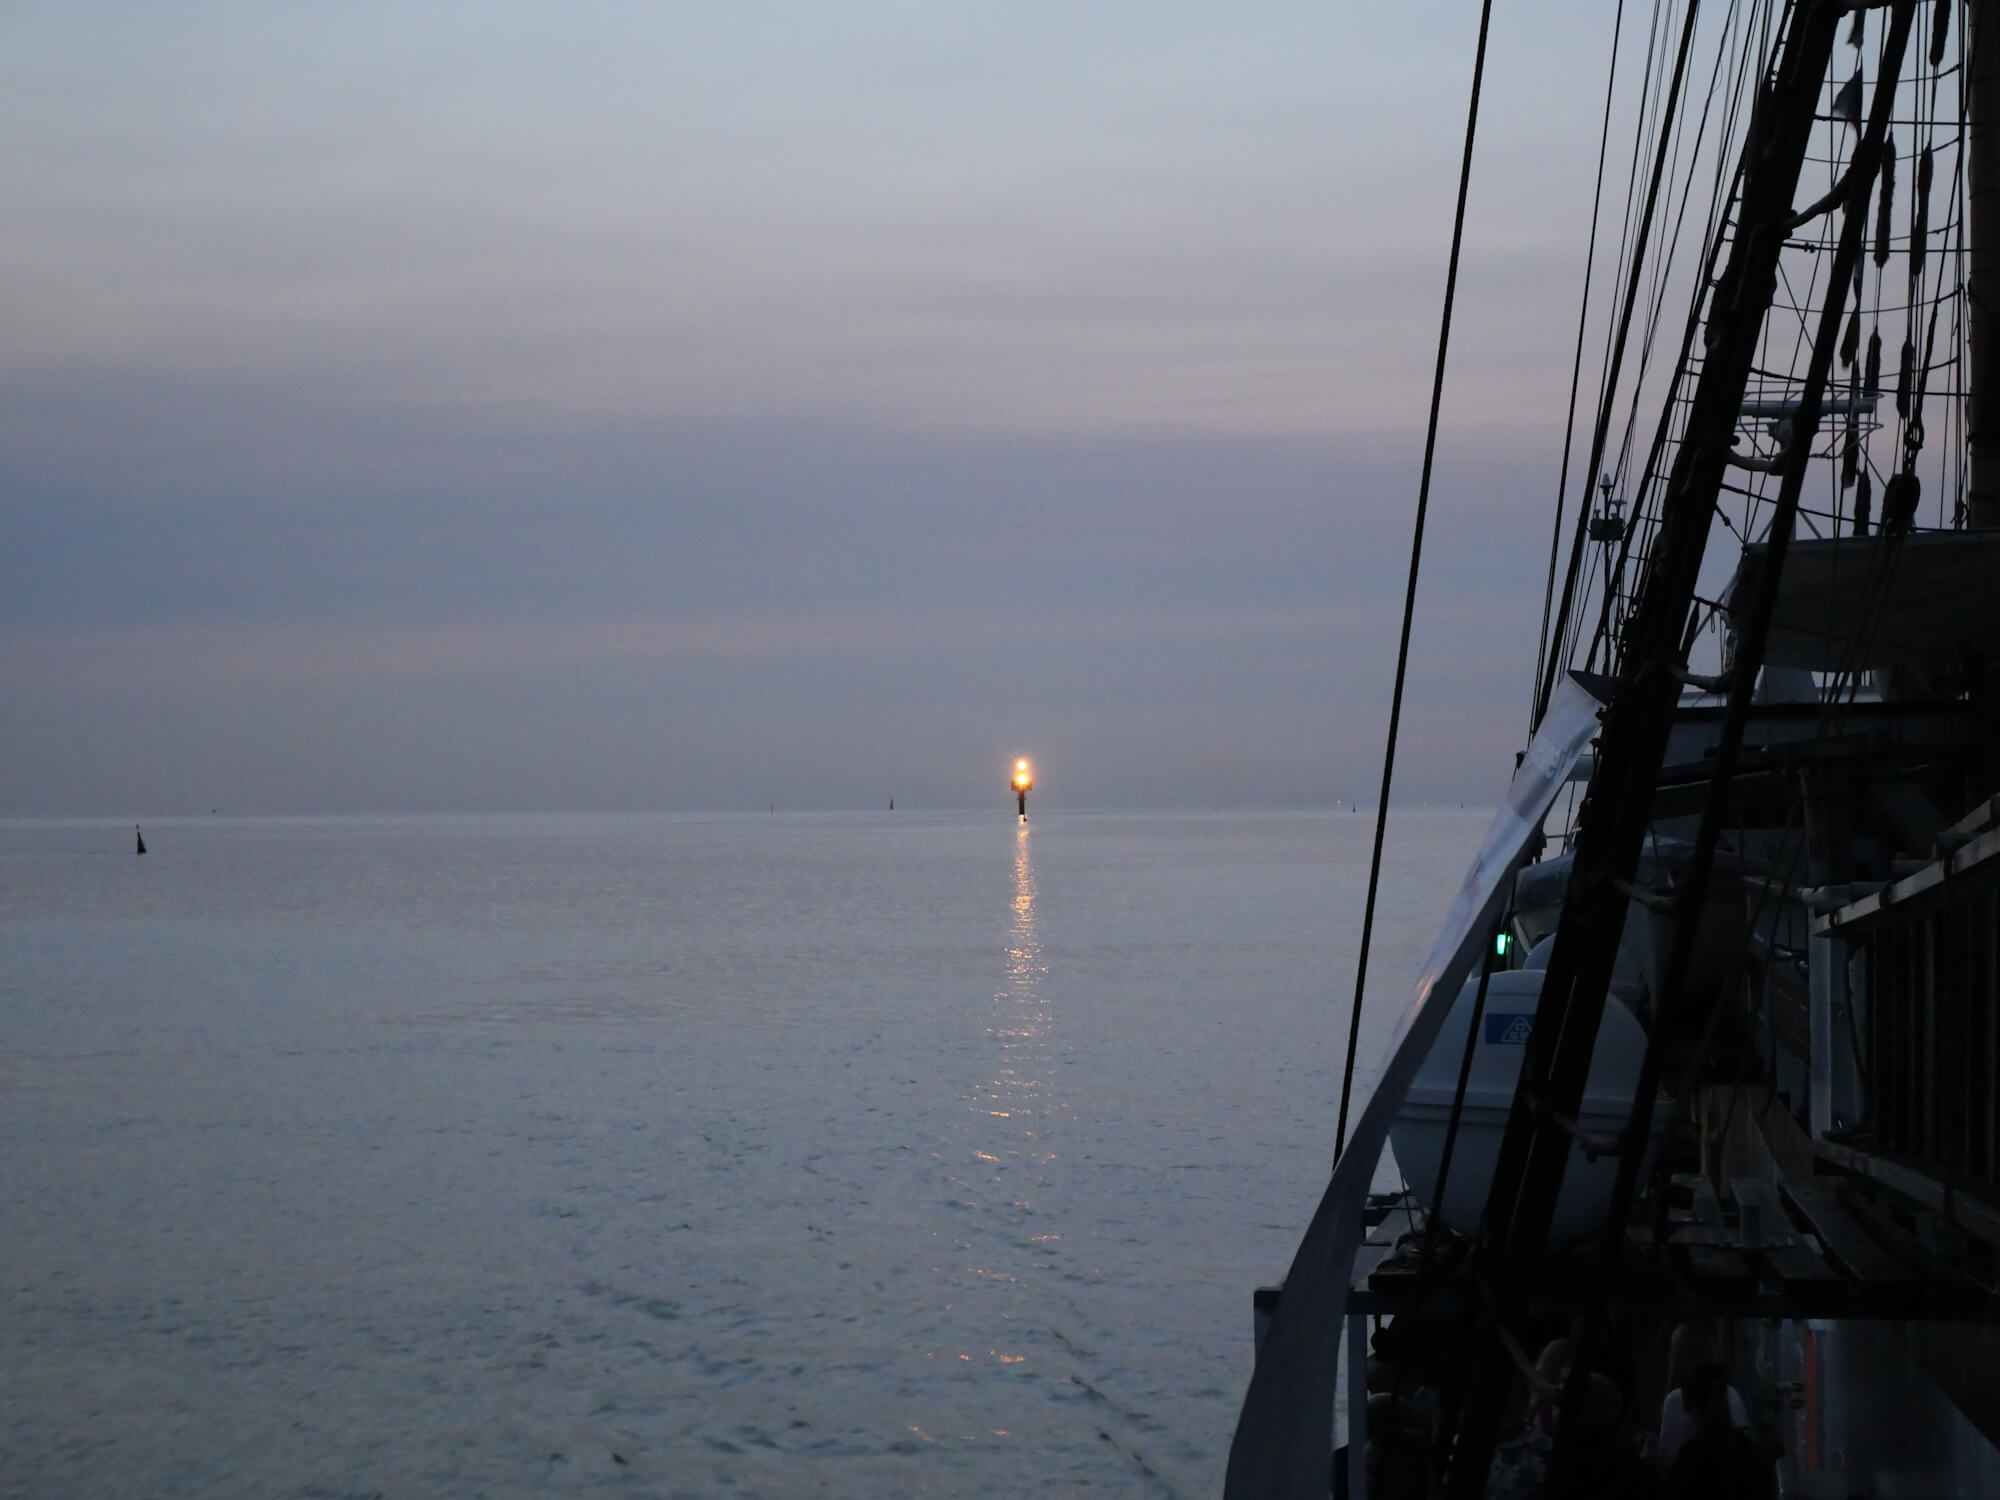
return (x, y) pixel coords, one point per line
(1023, 783)
(140, 837)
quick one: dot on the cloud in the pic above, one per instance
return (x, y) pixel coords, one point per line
(1026, 223)
(110, 661)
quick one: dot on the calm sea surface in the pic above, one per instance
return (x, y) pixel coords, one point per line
(855, 1155)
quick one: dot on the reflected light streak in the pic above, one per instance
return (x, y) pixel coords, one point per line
(1024, 1023)
(1020, 1019)
(1008, 1162)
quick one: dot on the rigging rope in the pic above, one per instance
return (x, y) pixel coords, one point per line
(1410, 592)
(1646, 134)
(1870, 158)
(1713, 241)
(1576, 371)
(1623, 331)
(1614, 582)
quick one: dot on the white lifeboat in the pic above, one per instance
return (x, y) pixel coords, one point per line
(1418, 1135)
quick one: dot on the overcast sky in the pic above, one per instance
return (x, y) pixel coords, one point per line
(474, 406)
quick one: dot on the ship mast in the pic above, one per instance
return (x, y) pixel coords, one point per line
(1982, 129)
(1617, 809)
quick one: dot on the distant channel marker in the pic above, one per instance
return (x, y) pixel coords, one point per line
(1024, 783)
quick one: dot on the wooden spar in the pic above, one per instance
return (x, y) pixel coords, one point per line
(1612, 822)
(1754, 626)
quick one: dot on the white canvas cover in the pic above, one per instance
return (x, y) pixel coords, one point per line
(1284, 1434)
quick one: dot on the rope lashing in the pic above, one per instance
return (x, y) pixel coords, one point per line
(1920, 218)
(1899, 501)
(1888, 200)
(1847, 103)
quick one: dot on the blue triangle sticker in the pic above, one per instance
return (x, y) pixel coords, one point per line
(1509, 1028)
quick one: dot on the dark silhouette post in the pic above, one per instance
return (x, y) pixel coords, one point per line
(1024, 783)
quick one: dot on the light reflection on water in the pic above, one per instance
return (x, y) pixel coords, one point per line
(1011, 1108)
(1020, 1021)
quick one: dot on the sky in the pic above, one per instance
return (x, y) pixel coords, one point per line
(439, 407)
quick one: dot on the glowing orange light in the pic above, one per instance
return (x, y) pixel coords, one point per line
(1024, 776)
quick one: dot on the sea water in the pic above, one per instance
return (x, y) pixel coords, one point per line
(855, 1155)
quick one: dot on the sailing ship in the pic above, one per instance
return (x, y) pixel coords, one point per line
(1711, 1037)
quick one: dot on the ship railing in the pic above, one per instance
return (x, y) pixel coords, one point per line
(1905, 1030)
